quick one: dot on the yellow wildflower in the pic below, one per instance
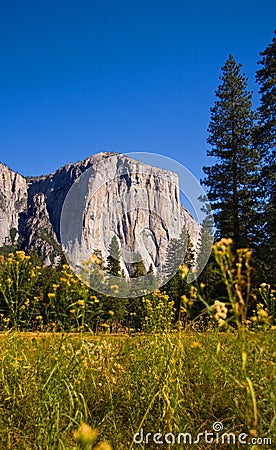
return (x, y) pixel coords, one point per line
(96, 260)
(226, 241)
(262, 314)
(185, 299)
(193, 292)
(184, 270)
(196, 344)
(85, 435)
(221, 310)
(103, 446)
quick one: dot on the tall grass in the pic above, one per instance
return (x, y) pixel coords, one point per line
(175, 383)
(63, 391)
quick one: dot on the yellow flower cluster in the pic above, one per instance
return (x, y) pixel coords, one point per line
(236, 273)
(193, 292)
(115, 287)
(223, 245)
(159, 311)
(261, 314)
(94, 259)
(220, 312)
(196, 345)
(184, 271)
(85, 435)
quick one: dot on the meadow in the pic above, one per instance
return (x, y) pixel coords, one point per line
(164, 383)
(196, 382)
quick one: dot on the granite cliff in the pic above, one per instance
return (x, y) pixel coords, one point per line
(138, 203)
(13, 203)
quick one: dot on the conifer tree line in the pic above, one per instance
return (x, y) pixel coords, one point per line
(241, 181)
(180, 258)
(38, 297)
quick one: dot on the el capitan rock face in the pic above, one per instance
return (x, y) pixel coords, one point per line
(13, 202)
(138, 203)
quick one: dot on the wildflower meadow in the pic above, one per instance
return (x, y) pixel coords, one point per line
(83, 370)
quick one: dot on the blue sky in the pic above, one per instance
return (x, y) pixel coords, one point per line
(81, 77)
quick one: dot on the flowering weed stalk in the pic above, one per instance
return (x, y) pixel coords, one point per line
(236, 275)
(159, 312)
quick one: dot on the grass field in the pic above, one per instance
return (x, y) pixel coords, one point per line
(165, 383)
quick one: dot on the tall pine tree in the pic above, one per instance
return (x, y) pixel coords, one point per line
(115, 308)
(232, 180)
(113, 259)
(206, 238)
(180, 252)
(266, 78)
(266, 141)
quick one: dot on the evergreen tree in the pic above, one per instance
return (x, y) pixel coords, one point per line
(266, 78)
(115, 308)
(138, 268)
(175, 255)
(135, 305)
(113, 259)
(189, 257)
(180, 251)
(206, 237)
(137, 271)
(232, 180)
(152, 279)
(266, 141)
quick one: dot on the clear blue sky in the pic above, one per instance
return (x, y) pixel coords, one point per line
(79, 77)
